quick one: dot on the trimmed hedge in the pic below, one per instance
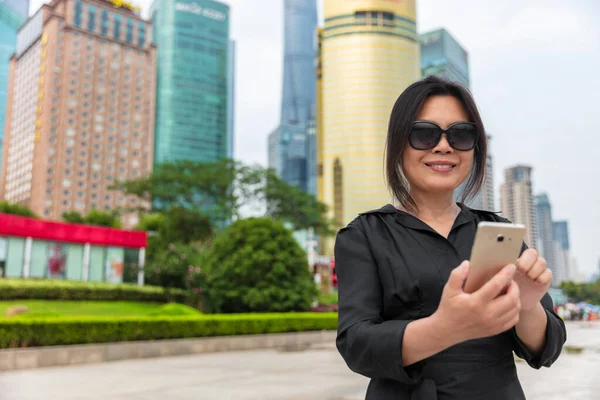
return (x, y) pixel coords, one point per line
(53, 331)
(30, 289)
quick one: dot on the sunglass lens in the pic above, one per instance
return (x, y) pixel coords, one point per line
(462, 136)
(424, 136)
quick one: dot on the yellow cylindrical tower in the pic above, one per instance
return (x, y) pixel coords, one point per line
(369, 53)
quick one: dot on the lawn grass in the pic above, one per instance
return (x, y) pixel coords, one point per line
(82, 308)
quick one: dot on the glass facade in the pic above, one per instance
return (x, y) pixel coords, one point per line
(560, 233)
(192, 85)
(231, 100)
(299, 90)
(10, 21)
(21, 7)
(442, 55)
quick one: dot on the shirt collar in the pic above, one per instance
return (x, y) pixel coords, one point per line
(407, 220)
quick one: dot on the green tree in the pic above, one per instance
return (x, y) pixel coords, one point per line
(109, 219)
(588, 292)
(184, 226)
(221, 189)
(16, 209)
(256, 265)
(73, 217)
(151, 222)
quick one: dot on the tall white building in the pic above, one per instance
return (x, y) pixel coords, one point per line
(516, 198)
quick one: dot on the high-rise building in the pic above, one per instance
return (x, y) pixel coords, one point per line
(548, 248)
(443, 56)
(369, 53)
(21, 7)
(298, 97)
(11, 19)
(231, 99)
(516, 198)
(81, 107)
(193, 106)
(560, 233)
(487, 194)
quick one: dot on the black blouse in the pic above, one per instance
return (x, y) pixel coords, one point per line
(391, 270)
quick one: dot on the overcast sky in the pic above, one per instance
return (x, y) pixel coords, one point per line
(535, 74)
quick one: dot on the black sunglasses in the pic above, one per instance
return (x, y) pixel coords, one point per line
(461, 136)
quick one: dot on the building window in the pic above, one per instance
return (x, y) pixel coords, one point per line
(78, 12)
(117, 27)
(360, 18)
(104, 27)
(387, 18)
(141, 34)
(129, 36)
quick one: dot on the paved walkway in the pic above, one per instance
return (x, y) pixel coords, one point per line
(316, 374)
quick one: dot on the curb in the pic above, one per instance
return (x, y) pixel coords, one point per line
(53, 356)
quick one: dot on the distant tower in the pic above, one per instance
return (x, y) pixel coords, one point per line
(517, 200)
(298, 97)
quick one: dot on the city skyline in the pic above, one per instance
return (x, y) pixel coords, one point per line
(516, 49)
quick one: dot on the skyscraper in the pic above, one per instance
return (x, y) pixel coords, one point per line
(299, 86)
(517, 200)
(369, 53)
(560, 235)
(231, 99)
(548, 248)
(21, 7)
(193, 88)
(443, 56)
(81, 107)
(488, 198)
(11, 19)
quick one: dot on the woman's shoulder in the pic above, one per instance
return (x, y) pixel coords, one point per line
(374, 214)
(488, 216)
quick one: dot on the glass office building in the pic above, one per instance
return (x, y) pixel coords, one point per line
(12, 15)
(192, 37)
(443, 56)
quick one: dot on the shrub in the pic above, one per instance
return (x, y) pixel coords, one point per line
(178, 266)
(84, 330)
(23, 289)
(257, 265)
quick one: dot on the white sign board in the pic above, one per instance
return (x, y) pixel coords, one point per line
(196, 9)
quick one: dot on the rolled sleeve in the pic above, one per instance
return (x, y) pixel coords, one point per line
(556, 336)
(369, 345)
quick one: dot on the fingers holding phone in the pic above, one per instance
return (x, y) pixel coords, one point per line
(484, 313)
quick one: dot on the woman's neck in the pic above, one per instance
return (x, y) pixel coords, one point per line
(431, 207)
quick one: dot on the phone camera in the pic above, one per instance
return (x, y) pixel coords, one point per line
(500, 238)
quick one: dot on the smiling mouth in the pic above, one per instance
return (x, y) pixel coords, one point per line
(441, 167)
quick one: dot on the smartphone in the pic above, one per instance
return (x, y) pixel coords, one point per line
(496, 245)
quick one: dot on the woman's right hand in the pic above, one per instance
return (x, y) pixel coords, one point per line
(486, 312)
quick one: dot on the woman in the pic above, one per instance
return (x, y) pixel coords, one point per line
(404, 320)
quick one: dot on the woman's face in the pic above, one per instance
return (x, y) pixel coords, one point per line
(441, 169)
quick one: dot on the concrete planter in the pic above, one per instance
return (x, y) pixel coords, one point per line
(39, 357)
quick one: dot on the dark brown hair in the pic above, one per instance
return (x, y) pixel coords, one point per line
(405, 112)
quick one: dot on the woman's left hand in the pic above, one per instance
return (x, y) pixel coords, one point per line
(533, 279)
